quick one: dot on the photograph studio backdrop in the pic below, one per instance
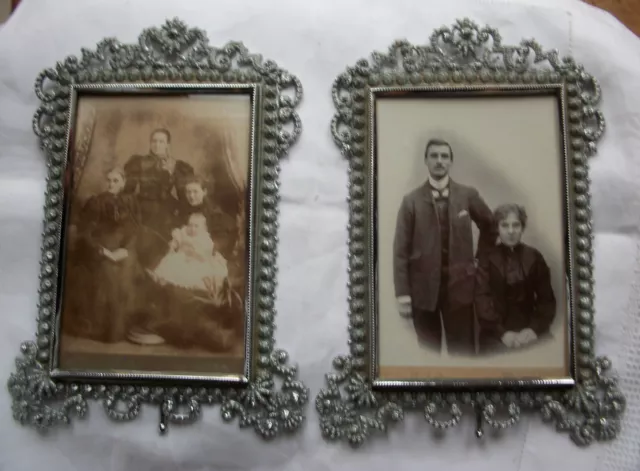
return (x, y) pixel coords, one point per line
(508, 149)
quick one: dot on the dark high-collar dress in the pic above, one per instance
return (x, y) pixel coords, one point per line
(159, 195)
(513, 292)
(100, 293)
(146, 177)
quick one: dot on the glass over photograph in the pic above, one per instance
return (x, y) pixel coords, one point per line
(471, 247)
(155, 247)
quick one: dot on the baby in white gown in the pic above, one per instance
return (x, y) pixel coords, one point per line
(192, 262)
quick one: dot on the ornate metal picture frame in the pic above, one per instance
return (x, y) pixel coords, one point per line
(465, 60)
(171, 60)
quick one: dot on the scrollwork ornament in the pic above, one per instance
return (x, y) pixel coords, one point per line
(274, 402)
(467, 54)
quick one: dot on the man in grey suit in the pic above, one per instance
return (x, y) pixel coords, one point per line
(434, 262)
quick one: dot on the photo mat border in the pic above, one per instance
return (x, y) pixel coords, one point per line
(273, 400)
(160, 90)
(466, 54)
(558, 91)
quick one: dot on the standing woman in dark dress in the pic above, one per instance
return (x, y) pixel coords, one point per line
(515, 303)
(107, 229)
(156, 179)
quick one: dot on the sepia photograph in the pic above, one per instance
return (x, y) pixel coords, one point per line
(471, 258)
(155, 245)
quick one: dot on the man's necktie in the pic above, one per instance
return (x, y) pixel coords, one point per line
(440, 195)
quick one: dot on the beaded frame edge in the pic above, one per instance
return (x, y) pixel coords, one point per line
(350, 408)
(274, 400)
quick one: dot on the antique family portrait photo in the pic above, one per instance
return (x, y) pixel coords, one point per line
(471, 250)
(155, 243)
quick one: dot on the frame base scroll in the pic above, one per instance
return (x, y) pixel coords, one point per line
(350, 410)
(40, 402)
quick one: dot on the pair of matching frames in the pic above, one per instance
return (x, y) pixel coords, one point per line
(268, 397)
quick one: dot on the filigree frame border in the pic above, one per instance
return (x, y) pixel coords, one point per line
(350, 407)
(273, 400)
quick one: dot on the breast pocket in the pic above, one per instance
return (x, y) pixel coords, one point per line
(463, 214)
(462, 219)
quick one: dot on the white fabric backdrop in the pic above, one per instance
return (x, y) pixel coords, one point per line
(316, 41)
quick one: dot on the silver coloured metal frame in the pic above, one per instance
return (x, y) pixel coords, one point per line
(169, 59)
(466, 58)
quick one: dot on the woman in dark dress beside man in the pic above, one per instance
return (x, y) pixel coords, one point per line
(515, 304)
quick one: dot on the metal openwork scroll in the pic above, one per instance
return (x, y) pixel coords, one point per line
(174, 144)
(467, 104)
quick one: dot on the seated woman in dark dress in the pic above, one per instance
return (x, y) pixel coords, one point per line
(515, 303)
(103, 300)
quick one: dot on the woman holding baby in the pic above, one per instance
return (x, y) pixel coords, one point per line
(221, 226)
(190, 282)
